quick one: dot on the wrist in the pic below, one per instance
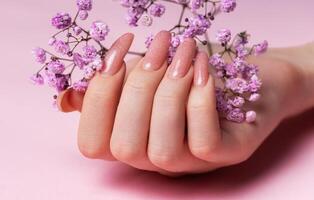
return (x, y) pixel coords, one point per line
(304, 60)
(301, 59)
(309, 73)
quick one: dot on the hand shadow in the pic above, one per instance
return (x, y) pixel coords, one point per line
(270, 157)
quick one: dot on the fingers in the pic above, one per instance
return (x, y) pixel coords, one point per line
(130, 132)
(100, 102)
(166, 139)
(204, 134)
(206, 140)
(71, 100)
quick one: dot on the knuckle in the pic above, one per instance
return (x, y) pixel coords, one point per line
(166, 98)
(162, 160)
(198, 106)
(126, 152)
(205, 152)
(136, 85)
(91, 152)
(98, 95)
(94, 149)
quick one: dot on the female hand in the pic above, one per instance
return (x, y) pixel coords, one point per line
(164, 119)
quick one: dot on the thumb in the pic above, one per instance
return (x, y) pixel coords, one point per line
(70, 100)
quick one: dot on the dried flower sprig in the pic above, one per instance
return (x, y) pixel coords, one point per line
(75, 47)
(239, 79)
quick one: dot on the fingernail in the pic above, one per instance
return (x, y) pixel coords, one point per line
(115, 56)
(157, 52)
(201, 72)
(182, 60)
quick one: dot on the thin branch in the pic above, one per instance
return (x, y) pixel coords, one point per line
(209, 45)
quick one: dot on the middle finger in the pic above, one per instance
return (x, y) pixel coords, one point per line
(167, 131)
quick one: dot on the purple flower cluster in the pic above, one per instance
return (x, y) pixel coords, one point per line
(61, 20)
(81, 49)
(84, 4)
(99, 30)
(142, 10)
(195, 26)
(240, 78)
(227, 5)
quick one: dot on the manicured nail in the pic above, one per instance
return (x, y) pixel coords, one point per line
(182, 60)
(157, 52)
(201, 72)
(115, 56)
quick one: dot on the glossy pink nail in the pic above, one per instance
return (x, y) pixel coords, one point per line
(182, 60)
(115, 56)
(201, 72)
(157, 52)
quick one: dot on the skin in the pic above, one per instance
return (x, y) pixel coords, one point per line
(164, 119)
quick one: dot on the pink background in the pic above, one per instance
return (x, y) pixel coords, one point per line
(39, 158)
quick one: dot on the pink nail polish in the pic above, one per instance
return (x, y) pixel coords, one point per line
(110, 66)
(201, 72)
(114, 57)
(157, 52)
(200, 78)
(177, 70)
(182, 61)
(148, 66)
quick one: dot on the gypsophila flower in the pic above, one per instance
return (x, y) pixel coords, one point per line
(40, 55)
(50, 78)
(254, 84)
(83, 15)
(176, 41)
(146, 20)
(237, 101)
(236, 115)
(254, 97)
(80, 86)
(62, 47)
(241, 51)
(157, 10)
(37, 79)
(227, 5)
(97, 63)
(223, 36)
(99, 30)
(197, 25)
(237, 85)
(52, 41)
(62, 82)
(79, 61)
(149, 40)
(56, 67)
(260, 48)
(90, 52)
(77, 30)
(89, 72)
(241, 39)
(196, 4)
(231, 70)
(61, 20)
(84, 4)
(217, 61)
(250, 116)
